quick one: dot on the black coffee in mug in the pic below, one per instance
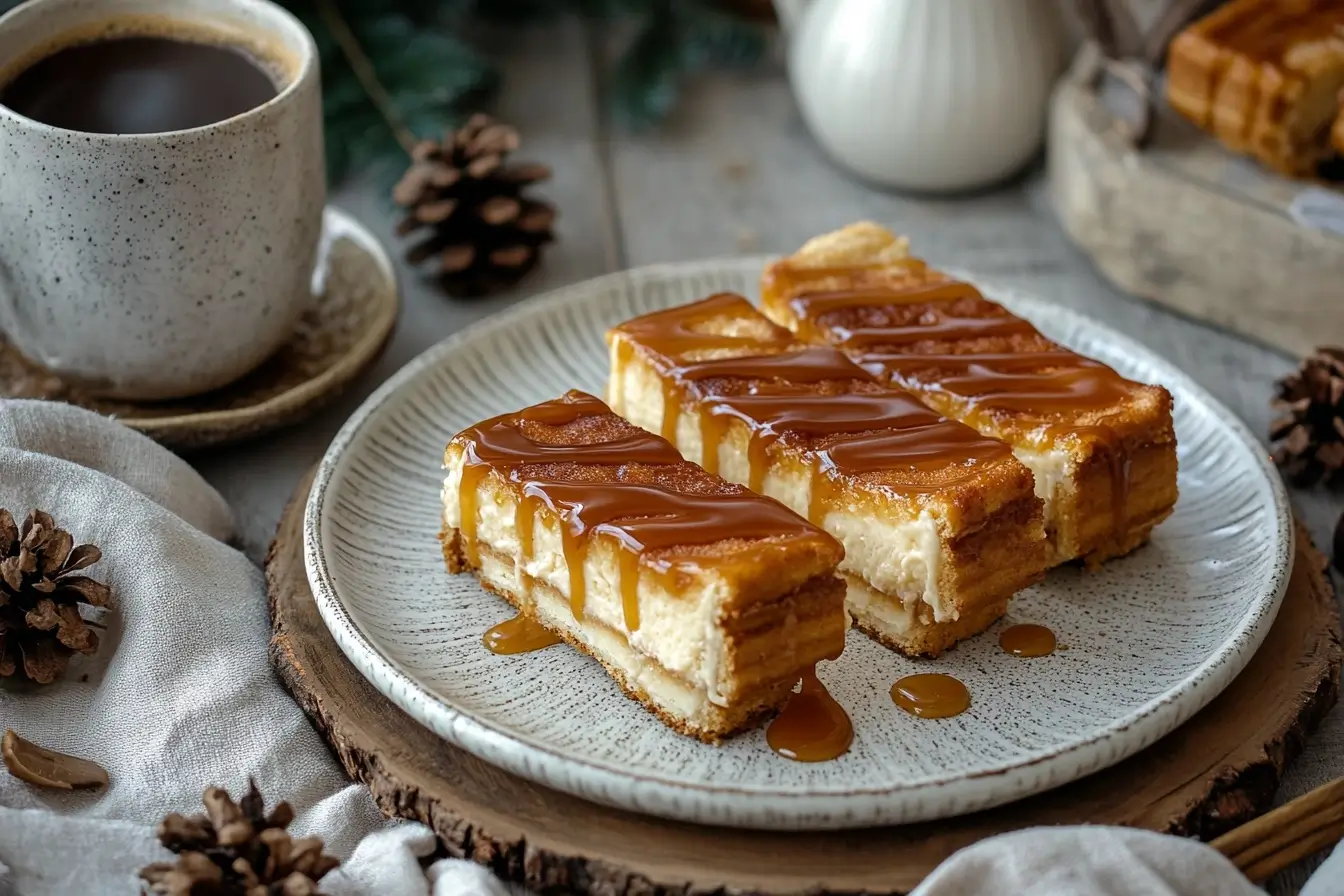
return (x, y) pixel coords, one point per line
(139, 84)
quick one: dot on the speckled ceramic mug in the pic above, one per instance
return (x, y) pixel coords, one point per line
(152, 266)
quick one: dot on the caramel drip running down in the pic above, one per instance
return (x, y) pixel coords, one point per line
(1027, 640)
(821, 494)
(629, 567)
(524, 523)
(813, 727)
(575, 548)
(640, 517)
(671, 416)
(856, 432)
(466, 499)
(1037, 379)
(931, 695)
(521, 634)
(712, 430)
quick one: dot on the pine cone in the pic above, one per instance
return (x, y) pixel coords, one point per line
(484, 235)
(1312, 432)
(236, 849)
(40, 625)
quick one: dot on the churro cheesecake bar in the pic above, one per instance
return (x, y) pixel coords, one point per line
(940, 525)
(704, 601)
(1264, 76)
(1102, 448)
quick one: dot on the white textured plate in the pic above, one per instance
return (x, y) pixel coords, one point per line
(1151, 638)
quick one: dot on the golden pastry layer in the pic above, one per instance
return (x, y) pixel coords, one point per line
(1102, 448)
(706, 602)
(1264, 76)
(940, 524)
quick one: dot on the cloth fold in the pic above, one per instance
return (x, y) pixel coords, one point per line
(1105, 860)
(180, 695)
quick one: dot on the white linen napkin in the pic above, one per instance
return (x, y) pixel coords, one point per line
(180, 695)
(1105, 860)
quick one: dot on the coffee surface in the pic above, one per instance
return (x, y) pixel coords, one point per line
(138, 85)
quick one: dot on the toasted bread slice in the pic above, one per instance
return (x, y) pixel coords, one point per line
(940, 524)
(1102, 448)
(706, 602)
(1264, 76)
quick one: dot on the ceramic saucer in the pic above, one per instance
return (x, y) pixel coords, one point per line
(338, 339)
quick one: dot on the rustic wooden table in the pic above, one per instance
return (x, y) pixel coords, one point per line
(736, 172)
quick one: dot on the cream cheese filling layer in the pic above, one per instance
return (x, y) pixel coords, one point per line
(899, 556)
(875, 610)
(1054, 470)
(679, 631)
(665, 690)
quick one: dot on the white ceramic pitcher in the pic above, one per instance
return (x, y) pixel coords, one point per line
(929, 95)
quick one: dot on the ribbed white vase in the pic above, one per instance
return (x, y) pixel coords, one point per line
(929, 95)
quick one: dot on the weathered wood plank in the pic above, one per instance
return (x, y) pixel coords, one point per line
(1192, 226)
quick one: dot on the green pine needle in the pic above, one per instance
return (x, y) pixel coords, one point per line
(432, 78)
(677, 41)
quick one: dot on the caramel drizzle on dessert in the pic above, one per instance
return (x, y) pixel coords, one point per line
(1027, 640)
(855, 432)
(1034, 382)
(521, 634)
(813, 727)
(931, 695)
(642, 517)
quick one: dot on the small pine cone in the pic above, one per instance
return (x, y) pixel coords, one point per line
(237, 849)
(1311, 429)
(479, 229)
(40, 596)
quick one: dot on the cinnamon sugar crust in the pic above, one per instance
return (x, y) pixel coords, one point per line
(710, 626)
(1105, 464)
(964, 484)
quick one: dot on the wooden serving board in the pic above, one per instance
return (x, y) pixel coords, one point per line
(1187, 224)
(1217, 771)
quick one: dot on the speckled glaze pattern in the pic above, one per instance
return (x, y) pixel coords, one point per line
(356, 299)
(161, 265)
(1145, 642)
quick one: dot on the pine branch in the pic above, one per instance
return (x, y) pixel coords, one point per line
(389, 77)
(677, 40)
(364, 72)
(394, 71)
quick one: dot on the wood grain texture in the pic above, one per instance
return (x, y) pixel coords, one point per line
(1187, 224)
(1219, 770)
